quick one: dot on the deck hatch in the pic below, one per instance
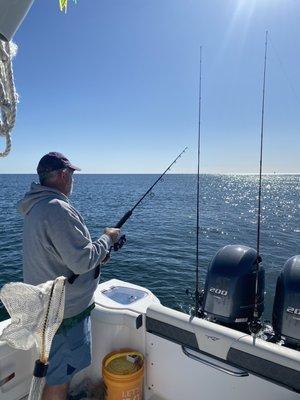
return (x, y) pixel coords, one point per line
(172, 333)
(275, 372)
(124, 295)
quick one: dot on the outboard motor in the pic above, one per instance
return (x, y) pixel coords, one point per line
(229, 294)
(286, 308)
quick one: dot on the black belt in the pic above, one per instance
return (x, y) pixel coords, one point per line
(75, 276)
(68, 323)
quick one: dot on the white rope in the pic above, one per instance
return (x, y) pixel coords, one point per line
(8, 95)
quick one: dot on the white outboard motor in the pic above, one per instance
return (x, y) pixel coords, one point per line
(286, 308)
(229, 294)
(12, 13)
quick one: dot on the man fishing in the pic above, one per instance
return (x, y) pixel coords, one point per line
(57, 242)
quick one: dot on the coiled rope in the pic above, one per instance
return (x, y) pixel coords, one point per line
(8, 95)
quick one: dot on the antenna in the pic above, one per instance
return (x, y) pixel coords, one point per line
(255, 325)
(197, 293)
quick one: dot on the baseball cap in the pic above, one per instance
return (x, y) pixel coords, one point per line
(54, 161)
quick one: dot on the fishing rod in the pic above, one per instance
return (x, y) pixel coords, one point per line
(255, 325)
(122, 240)
(128, 214)
(197, 292)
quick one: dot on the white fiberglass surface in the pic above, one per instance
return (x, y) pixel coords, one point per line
(173, 375)
(170, 373)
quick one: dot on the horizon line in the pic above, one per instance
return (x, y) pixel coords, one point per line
(157, 173)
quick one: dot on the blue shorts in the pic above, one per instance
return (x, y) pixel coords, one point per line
(70, 353)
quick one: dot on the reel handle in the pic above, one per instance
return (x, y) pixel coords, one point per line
(122, 240)
(116, 246)
(119, 244)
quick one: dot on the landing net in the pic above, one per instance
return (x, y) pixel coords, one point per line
(36, 314)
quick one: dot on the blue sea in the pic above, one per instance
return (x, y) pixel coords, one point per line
(161, 234)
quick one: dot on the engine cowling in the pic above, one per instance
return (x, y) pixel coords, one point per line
(286, 307)
(229, 294)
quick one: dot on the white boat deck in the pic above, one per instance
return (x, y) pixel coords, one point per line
(185, 358)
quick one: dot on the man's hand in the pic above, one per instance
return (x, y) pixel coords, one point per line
(106, 259)
(113, 233)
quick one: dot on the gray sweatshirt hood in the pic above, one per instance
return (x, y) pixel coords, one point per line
(36, 194)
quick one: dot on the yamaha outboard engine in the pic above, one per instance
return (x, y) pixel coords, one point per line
(286, 308)
(229, 294)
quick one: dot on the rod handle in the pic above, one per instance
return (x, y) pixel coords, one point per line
(40, 369)
(123, 219)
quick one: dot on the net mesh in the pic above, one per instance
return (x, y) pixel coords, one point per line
(36, 313)
(36, 388)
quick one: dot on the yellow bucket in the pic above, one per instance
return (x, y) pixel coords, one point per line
(123, 373)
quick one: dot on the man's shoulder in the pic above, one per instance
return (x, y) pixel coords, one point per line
(58, 203)
(60, 206)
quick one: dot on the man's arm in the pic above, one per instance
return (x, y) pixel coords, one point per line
(72, 240)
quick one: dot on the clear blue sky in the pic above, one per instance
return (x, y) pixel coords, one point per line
(113, 84)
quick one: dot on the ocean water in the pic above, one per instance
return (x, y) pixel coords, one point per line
(160, 248)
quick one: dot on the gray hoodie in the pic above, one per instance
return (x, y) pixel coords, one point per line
(57, 242)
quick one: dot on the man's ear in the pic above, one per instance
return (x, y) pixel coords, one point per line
(62, 175)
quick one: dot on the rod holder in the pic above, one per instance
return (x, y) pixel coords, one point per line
(12, 13)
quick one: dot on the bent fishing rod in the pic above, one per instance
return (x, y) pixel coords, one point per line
(128, 214)
(122, 240)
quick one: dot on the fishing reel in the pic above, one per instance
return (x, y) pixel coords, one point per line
(197, 297)
(255, 326)
(119, 244)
